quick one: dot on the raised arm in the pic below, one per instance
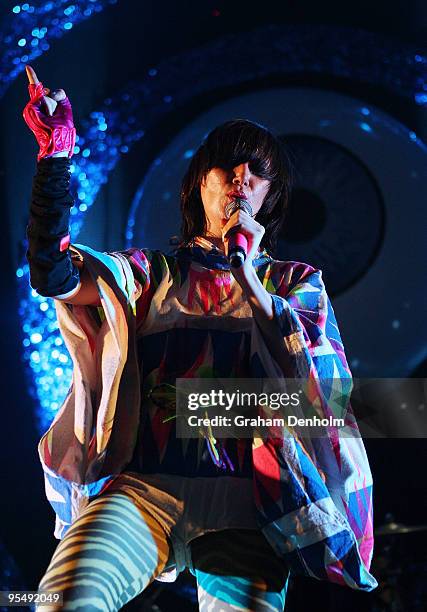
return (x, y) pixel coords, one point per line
(53, 273)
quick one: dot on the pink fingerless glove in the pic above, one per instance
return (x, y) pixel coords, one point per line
(54, 133)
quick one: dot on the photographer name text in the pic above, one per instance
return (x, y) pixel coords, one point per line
(259, 421)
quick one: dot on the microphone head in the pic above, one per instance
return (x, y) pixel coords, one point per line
(236, 204)
(237, 259)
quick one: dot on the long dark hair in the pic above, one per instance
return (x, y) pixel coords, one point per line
(228, 145)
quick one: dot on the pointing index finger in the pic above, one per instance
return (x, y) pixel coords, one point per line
(32, 77)
(33, 80)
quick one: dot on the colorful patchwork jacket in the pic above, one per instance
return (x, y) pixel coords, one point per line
(313, 499)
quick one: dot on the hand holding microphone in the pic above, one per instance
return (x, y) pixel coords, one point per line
(242, 233)
(237, 242)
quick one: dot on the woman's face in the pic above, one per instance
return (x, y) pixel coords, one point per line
(218, 185)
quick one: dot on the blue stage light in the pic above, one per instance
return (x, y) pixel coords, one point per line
(21, 32)
(421, 98)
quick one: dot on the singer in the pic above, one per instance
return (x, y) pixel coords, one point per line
(133, 502)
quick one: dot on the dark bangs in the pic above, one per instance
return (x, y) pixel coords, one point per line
(239, 141)
(227, 146)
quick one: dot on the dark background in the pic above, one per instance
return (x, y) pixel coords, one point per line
(105, 52)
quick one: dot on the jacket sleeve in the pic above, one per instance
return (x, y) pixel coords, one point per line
(92, 436)
(52, 272)
(312, 342)
(328, 472)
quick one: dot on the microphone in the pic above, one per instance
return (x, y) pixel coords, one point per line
(237, 242)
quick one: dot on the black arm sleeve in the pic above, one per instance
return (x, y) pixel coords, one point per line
(51, 270)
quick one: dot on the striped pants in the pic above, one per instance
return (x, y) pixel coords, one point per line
(115, 549)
